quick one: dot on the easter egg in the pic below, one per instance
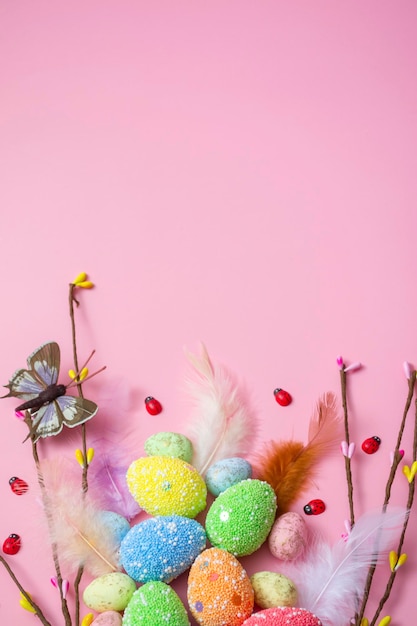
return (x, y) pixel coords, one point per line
(219, 590)
(153, 604)
(169, 444)
(272, 589)
(161, 548)
(288, 537)
(226, 473)
(240, 518)
(116, 524)
(283, 616)
(163, 485)
(110, 592)
(108, 618)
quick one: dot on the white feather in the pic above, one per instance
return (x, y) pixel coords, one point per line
(222, 425)
(330, 581)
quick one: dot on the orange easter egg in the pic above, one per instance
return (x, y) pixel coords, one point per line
(219, 589)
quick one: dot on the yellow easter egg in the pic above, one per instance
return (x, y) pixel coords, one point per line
(164, 485)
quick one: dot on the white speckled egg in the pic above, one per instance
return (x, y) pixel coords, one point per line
(154, 604)
(288, 537)
(227, 472)
(108, 618)
(169, 444)
(240, 518)
(272, 589)
(111, 592)
(164, 485)
(219, 590)
(161, 548)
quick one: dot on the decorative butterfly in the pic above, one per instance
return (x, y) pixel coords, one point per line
(46, 402)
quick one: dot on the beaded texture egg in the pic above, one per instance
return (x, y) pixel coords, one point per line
(153, 604)
(161, 548)
(219, 590)
(240, 518)
(283, 616)
(163, 485)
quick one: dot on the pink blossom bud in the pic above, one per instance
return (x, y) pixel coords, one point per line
(351, 450)
(344, 448)
(54, 582)
(408, 369)
(339, 362)
(353, 367)
(19, 415)
(65, 587)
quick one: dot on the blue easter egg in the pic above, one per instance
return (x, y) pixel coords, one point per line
(117, 525)
(227, 472)
(161, 548)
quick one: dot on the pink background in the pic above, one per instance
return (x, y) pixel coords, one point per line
(239, 173)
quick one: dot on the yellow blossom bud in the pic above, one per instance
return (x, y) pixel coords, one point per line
(25, 604)
(79, 279)
(385, 621)
(80, 457)
(87, 619)
(90, 455)
(85, 284)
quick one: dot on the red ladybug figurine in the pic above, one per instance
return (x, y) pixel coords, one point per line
(282, 397)
(314, 507)
(153, 406)
(12, 544)
(371, 445)
(18, 485)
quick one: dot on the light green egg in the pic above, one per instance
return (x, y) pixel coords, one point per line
(272, 589)
(169, 444)
(111, 592)
(153, 604)
(240, 518)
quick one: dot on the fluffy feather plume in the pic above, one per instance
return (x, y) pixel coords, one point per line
(222, 426)
(75, 525)
(107, 479)
(330, 581)
(288, 466)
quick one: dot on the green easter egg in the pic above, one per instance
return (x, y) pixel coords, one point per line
(153, 604)
(169, 444)
(240, 518)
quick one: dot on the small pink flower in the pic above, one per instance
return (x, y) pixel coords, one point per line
(339, 362)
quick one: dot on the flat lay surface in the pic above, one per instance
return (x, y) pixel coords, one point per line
(234, 174)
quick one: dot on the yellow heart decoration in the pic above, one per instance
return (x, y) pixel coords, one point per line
(385, 621)
(410, 473)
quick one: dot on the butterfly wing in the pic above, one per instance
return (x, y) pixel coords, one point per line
(69, 410)
(43, 370)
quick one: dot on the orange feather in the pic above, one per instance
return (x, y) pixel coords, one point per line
(289, 466)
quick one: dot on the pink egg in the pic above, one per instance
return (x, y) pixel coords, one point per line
(108, 618)
(288, 537)
(283, 616)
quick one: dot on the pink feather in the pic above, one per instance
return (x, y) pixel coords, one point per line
(75, 525)
(331, 580)
(222, 425)
(107, 478)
